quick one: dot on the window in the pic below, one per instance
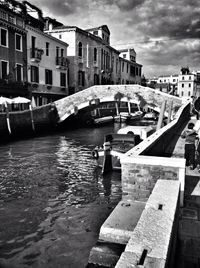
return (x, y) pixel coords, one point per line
(116, 65)
(183, 78)
(95, 54)
(127, 67)
(18, 42)
(122, 66)
(18, 72)
(182, 85)
(62, 52)
(124, 56)
(189, 93)
(47, 49)
(189, 85)
(62, 79)
(4, 69)
(95, 32)
(34, 74)
(182, 93)
(96, 79)
(81, 78)
(4, 37)
(60, 36)
(189, 77)
(57, 51)
(80, 49)
(48, 77)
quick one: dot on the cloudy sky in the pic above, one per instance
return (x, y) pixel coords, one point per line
(164, 33)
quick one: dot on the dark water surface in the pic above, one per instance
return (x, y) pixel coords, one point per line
(53, 199)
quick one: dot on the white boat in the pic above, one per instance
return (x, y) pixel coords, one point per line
(125, 116)
(103, 120)
(150, 116)
(117, 145)
(137, 115)
(142, 131)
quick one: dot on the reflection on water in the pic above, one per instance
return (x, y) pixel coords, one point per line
(51, 194)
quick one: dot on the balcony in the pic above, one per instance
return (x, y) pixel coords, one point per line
(36, 54)
(62, 63)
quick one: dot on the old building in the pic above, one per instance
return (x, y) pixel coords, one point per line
(130, 70)
(13, 50)
(92, 60)
(47, 62)
(187, 84)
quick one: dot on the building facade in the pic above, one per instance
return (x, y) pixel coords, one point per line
(92, 60)
(187, 84)
(47, 66)
(130, 70)
(13, 50)
(47, 61)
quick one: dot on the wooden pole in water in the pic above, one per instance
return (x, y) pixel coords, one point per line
(32, 121)
(170, 112)
(8, 118)
(161, 116)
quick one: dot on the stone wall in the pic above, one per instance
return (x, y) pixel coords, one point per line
(163, 141)
(44, 118)
(141, 168)
(153, 241)
(81, 99)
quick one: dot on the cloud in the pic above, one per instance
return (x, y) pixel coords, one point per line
(61, 7)
(128, 4)
(170, 18)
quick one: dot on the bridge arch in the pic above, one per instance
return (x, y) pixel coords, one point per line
(104, 93)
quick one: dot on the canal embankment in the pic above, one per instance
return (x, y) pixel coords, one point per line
(144, 167)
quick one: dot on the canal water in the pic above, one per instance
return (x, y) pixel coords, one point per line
(53, 199)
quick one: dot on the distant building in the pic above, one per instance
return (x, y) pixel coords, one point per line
(130, 70)
(47, 63)
(168, 84)
(13, 50)
(187, 84)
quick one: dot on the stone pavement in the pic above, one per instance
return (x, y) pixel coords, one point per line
(189, 218)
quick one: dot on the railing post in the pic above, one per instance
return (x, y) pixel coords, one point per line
(162, 111)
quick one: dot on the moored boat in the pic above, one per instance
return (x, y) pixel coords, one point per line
(115, 145)
(103, 120)
(142, 131)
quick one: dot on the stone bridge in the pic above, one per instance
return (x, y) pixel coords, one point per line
(129, 93)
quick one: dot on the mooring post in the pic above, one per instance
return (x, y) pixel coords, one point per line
(107, 161)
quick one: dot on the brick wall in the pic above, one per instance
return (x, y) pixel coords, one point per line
(140, 175)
